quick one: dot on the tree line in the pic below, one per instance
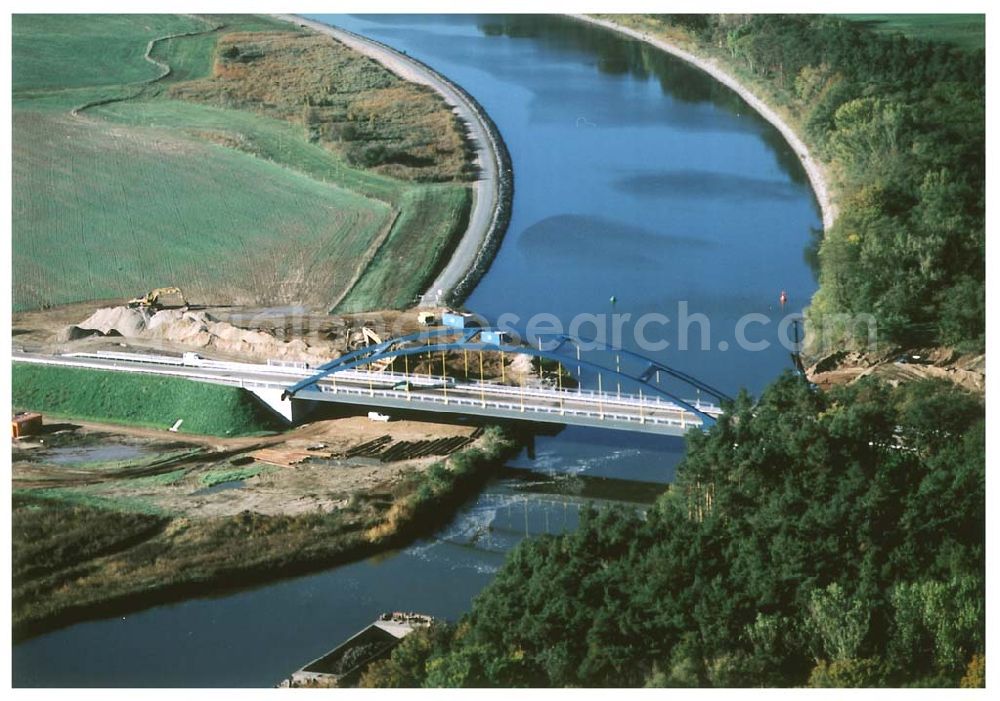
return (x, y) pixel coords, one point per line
(825, 539)
(900, 124)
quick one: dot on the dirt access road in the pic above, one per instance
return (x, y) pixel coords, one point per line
(485, 191)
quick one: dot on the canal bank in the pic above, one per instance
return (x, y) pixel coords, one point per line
(494, 186)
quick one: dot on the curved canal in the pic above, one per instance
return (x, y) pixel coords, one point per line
(636, 177)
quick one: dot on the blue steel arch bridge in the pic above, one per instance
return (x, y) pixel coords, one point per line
(627, 391)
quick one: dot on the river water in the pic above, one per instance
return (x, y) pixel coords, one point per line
(637, 177)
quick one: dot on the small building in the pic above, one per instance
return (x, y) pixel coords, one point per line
(26, 423)
(494, 338)
(425, 318)
(458, 320)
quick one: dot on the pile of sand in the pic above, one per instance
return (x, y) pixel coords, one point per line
(523, 368)
(127, 322)
(520, 364)
(75, 333)
(198, 330)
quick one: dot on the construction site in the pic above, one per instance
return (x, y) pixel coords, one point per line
(162, 321)
(339, 486)
(314, 466)
(318, 467)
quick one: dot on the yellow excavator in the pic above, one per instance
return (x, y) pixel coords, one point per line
(151, 300)
(368, 338)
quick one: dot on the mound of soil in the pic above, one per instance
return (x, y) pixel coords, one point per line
(197, 330)
(127, 322)
(75, 333)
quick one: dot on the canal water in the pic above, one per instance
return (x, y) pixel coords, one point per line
(637, 177)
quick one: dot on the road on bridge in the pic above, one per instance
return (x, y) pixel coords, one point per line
(392, 390)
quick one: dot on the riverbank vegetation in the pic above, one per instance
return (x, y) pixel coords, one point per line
(143, 171)
(824, 539)
(139, 400)
(810, 538)
(356, 107)
(108, 545)
(966, 31)
(899, 124)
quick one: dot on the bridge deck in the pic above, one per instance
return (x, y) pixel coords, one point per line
(568, 407)
(386, 390)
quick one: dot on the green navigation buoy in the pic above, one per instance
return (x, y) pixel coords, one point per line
(613, 299)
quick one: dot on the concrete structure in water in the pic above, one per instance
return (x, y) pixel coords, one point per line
(344, 664)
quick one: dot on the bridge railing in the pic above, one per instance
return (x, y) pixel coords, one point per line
(652, 403)
(623, 398)
(682, 421)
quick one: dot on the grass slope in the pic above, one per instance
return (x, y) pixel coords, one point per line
(433, 219)
(143, 216)
(72, 51)
(233, 205)
(139, 400)
(191, 57)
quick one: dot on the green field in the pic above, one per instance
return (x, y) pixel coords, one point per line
(431, 216)
(139, 400)
(965, 31)
(132, 222)
(63, 51)
(137, 190)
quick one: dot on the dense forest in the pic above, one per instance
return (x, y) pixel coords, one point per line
(900, 124)
(830, 539)
(811, 538)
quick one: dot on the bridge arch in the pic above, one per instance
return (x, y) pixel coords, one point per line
(466, 340)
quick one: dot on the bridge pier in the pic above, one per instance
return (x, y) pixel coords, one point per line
(271, 398)
(292, 411)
